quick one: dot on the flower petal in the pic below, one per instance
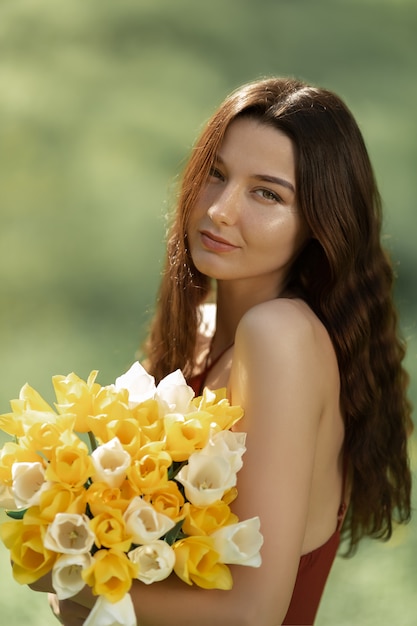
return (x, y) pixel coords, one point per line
(144, 524)
(173, 394)
(28, 482)
(69, 533)
(239, 543)
(105, 613)
(66, 574)
(155, 561)
(140, 384)
(206, 478)
(111, 462)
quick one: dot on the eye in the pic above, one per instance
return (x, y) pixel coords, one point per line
(267, 194)
(215, 173)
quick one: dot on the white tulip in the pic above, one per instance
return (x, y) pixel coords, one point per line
(140, 384)
(174, 395)
(111, 462)
(105, 613)
(28, 483)
(155, 561)
(229, 445)
(206, 478)
(66, 574)
(69, 533)
(239, 543)
(144, 523)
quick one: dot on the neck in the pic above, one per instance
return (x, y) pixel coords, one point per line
(234, 299)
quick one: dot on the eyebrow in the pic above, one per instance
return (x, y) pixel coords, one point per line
(276, 180)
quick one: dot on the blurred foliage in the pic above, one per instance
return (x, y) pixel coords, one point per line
(100, 101)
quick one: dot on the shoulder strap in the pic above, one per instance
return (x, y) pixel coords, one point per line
(200, 379)
(343, 506)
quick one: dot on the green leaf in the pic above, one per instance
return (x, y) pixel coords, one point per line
(16, 514)
(175, 468)
(175, 533)
(93, 441)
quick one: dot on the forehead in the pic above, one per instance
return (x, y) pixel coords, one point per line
(258, 144)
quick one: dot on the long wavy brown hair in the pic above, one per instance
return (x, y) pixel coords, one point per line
(343, 273)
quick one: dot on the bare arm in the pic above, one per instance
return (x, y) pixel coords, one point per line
(277, 377)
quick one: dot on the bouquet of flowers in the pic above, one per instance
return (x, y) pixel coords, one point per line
(123, 482)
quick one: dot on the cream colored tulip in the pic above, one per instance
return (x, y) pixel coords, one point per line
(28, 482)
(155, 561)
(106, 613)
(206, 478)
(69, 533)
(174, 395)
(239, 543)
(229, 445)
(66, 574)
(144, 523)
(111, 462)
(140, 384)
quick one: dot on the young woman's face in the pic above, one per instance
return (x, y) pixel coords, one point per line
(246, 224)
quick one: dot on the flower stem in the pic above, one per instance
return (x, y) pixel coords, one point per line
(93, 442)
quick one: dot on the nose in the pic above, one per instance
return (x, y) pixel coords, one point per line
(224, 208)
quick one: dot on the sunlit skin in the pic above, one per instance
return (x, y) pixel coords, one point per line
(245, 233)
(246, 226)
(246, 229)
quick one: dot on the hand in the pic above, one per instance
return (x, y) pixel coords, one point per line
(43, 584)
(68, 612)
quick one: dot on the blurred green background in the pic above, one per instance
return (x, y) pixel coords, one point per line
(100, 101)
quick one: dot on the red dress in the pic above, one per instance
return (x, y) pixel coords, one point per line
(314, 567)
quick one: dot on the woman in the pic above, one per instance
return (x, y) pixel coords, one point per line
(278, 223)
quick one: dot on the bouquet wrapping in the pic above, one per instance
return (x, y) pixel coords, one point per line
(122, 482)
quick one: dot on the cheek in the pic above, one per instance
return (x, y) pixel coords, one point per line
(193, 219)
(286, 235)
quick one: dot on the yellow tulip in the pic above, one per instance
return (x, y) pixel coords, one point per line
(207, 519)
(218, 406)
(33, 400)
(110, 575)
(75, 395)
(230, 495)
(197, 562)
(31, 560)
(70, 465)
(60, 498)
(110, 530)
(18, 422)
(47, 436)
(167, 500)
(27, 410)
(186, 434)
(149, 471)
(101, 498)
(128, 432)
(111, 403)
(10, 425)
(147, 415)
(108, 406)
(13, 453)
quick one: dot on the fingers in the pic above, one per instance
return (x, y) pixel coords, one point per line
(67, 612)
(54, 605)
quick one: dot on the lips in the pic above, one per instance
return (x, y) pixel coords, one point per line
(216, 243)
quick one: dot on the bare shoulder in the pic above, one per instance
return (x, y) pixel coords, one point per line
(282, 344)
(282, 322)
